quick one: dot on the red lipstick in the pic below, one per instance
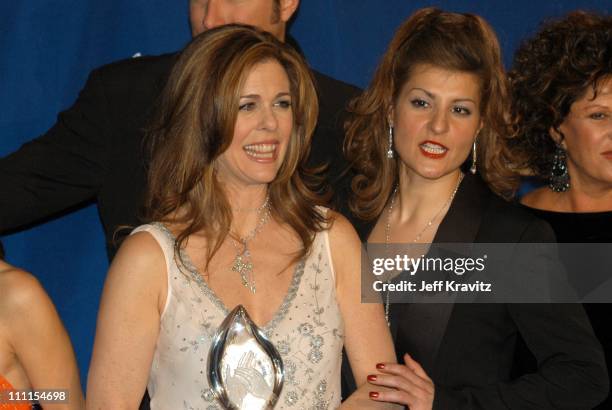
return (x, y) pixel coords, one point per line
(433, 149)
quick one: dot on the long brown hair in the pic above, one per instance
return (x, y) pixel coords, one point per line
(461, 42)
(195, 123)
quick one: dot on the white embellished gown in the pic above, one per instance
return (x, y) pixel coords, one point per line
(307, 330)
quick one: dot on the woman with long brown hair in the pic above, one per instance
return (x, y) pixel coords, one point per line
(427, 141)
(234, 220)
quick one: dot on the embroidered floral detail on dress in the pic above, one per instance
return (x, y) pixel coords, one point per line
(318, 270)
(306, 329)
(291, 398)
(322, 387)
(283, 347)
(315, 356)
(320, 405)
(290, 368)
(193, 344)
(317, 342)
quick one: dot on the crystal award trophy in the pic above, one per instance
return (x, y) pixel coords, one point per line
(245, 371)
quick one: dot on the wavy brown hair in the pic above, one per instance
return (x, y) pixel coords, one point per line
(452, 41)
(552, 70)
(195, 123)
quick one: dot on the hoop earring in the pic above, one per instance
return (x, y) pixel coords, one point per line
(473, 167)
(390, 148)
(559, 177)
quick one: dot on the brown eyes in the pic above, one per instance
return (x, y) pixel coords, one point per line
(250, 106)
(283, 104)
(456, 109)
(598, 116)
(461, 110)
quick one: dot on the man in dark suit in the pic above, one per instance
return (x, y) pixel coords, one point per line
(95, 149)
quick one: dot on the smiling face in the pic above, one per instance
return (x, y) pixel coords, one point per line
(587, 131)
(262, 130)
(268, 15)
(436, 118)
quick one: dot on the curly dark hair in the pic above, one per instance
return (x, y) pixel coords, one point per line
(550, 72)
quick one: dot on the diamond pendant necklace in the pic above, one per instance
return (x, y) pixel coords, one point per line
(419, 235)
(243, 264)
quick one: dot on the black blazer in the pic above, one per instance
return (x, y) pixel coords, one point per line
(469, 349)
(95, 150)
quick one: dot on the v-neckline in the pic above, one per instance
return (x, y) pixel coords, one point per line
(280, 312)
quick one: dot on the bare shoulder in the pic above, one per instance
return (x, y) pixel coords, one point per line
(341, 232)
(139, 251)
(19, 291)
(24, 306)
(345, 249)
(138, 272)
(340, 224)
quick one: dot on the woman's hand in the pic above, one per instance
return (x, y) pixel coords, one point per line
(413, 387)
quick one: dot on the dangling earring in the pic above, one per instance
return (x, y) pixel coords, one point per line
(473, 167)
(390, 149)
(559, 177)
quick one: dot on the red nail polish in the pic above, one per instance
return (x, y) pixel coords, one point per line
(380, 366)
(371, 378)
(373, 394)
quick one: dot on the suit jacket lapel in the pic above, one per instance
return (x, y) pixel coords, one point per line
(429, 320)
(461, 224)
(463, 219)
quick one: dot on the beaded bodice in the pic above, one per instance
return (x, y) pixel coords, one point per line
(307, 330)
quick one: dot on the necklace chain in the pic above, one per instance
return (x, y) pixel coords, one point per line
(258, 209)
(419, 235)
(243, 264)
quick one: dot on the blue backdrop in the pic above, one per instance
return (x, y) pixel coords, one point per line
(49, 46)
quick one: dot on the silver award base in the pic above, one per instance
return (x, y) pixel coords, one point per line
(245, 371)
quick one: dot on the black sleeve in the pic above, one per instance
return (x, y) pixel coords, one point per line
(60, 169)
(571, 371)
(571, 365)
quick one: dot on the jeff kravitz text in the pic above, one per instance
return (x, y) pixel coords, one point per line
(435, 286)
(454, 268)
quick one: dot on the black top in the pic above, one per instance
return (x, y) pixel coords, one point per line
(581, 228)
(573, 227)
(469, 349)
(95, 149)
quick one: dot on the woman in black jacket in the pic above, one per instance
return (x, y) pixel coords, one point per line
(436, 108)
